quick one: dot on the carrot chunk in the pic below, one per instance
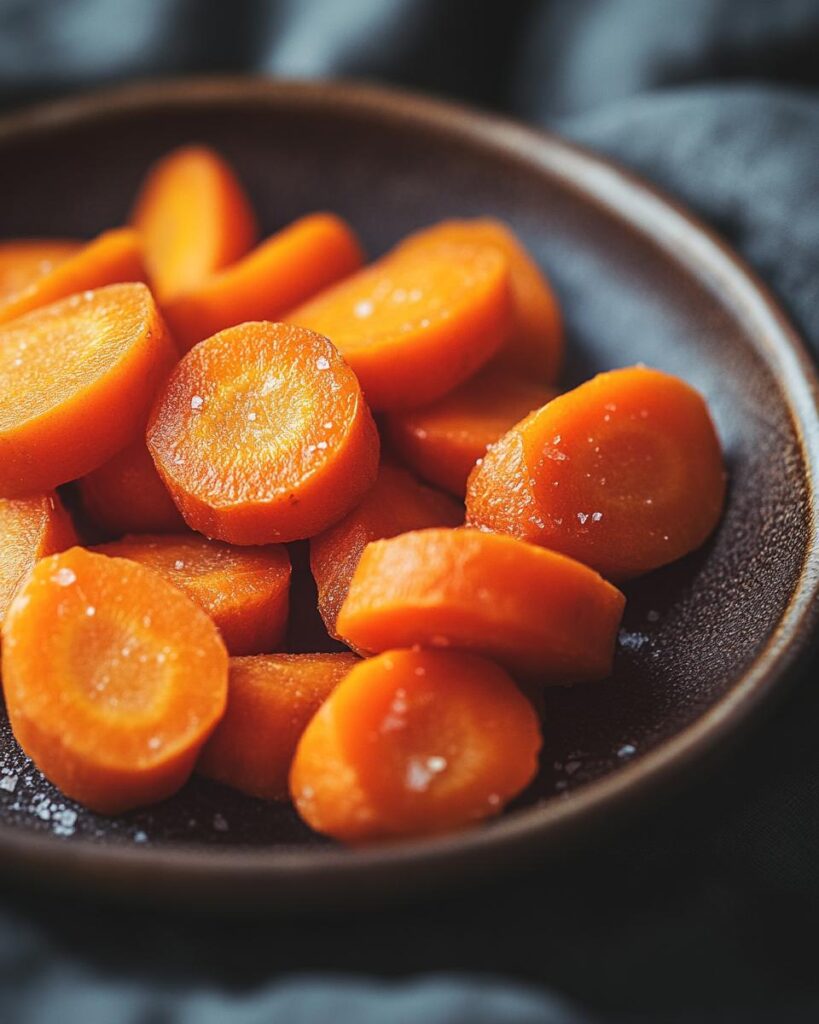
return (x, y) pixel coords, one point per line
(395, 504)
(623, 473)
(193, 218)
(286, 269)
(414, 743)
(271, 698)
(416, 323)
(535, 611)
(443, 441)
(25, 260)
(76, 382)
(245, 591)
(113, 679)
(262, 435)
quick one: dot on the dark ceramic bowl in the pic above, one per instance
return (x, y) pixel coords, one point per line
(704, 642)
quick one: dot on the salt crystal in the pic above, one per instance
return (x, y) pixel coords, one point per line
(64, 577)
(627, 750)
(323, 363)
(363, 309)
(197, 402)
(90, 611)
(8, 783)
(140, 837)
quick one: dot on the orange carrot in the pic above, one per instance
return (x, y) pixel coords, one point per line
(271, 698)
(443, 441)
(624, 473)
(413, 743)
(113, 679)
(262, 435)
(244, 590)
(395, 504)
(76, 382)
(193, 217)
(538, 612)
(287, 268)
(26, 259)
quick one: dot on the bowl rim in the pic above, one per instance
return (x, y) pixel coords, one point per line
(305, 877)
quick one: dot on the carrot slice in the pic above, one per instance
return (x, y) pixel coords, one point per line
(417, 323)
(26, 259)
(113, 679)
(245, 591)
(538, 612)
(193, 217)
(286, 269)
(535, 346)
(624, 473)
(395, 504)
(271, 698)
(262, 435)
(413, 743)
(111, 258)
(443, 441)
(76, 382)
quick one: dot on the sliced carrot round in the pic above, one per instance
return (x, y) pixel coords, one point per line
(271, 698)
(244, 590)
(25, 260)
(262, 435)
(624, 473)
(536, 611)
(113, 679)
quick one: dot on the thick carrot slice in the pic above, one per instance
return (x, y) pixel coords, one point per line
(417, 323)
(395, 504)
(245, 591)
(271, 698)
(286, 269)
(443, 441)
(413, 743)
(193, 217)
(76, 382)
(624, 473)
(25, 260)
(30, 529)
(535, 346)
(113, 679)
(111, 258)
(262, 435)
(538, 612)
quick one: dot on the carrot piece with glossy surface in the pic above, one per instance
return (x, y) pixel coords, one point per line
(244, 590)
(286, 269)
(271, 698)
(193, 217)
(535, 611)
(113, 679)
(624, 473)
(261, 434)
(414, 743)
(25, 260)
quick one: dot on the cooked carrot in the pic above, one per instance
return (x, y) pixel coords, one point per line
(262, 435)
(76, 382)
(271, 698)
(414, 743)
(395, 504)
(244, 590)
(535, 611)
(535, 346)
(624, 473)
(113, 679)
(417, 323)
(111, 258)
(443, 441)
(193, 217)
(287, 268)
(26, 259)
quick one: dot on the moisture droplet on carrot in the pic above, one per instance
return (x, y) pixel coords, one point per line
(244, 590)
(262, 434)
(113, 679)
(288, 268)
(414, 743)
(193, 217)
(535, 611)
(395, 504)
(25, 260)
(271, 698)
(417, 323)
(443, 441)
(624, 473)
